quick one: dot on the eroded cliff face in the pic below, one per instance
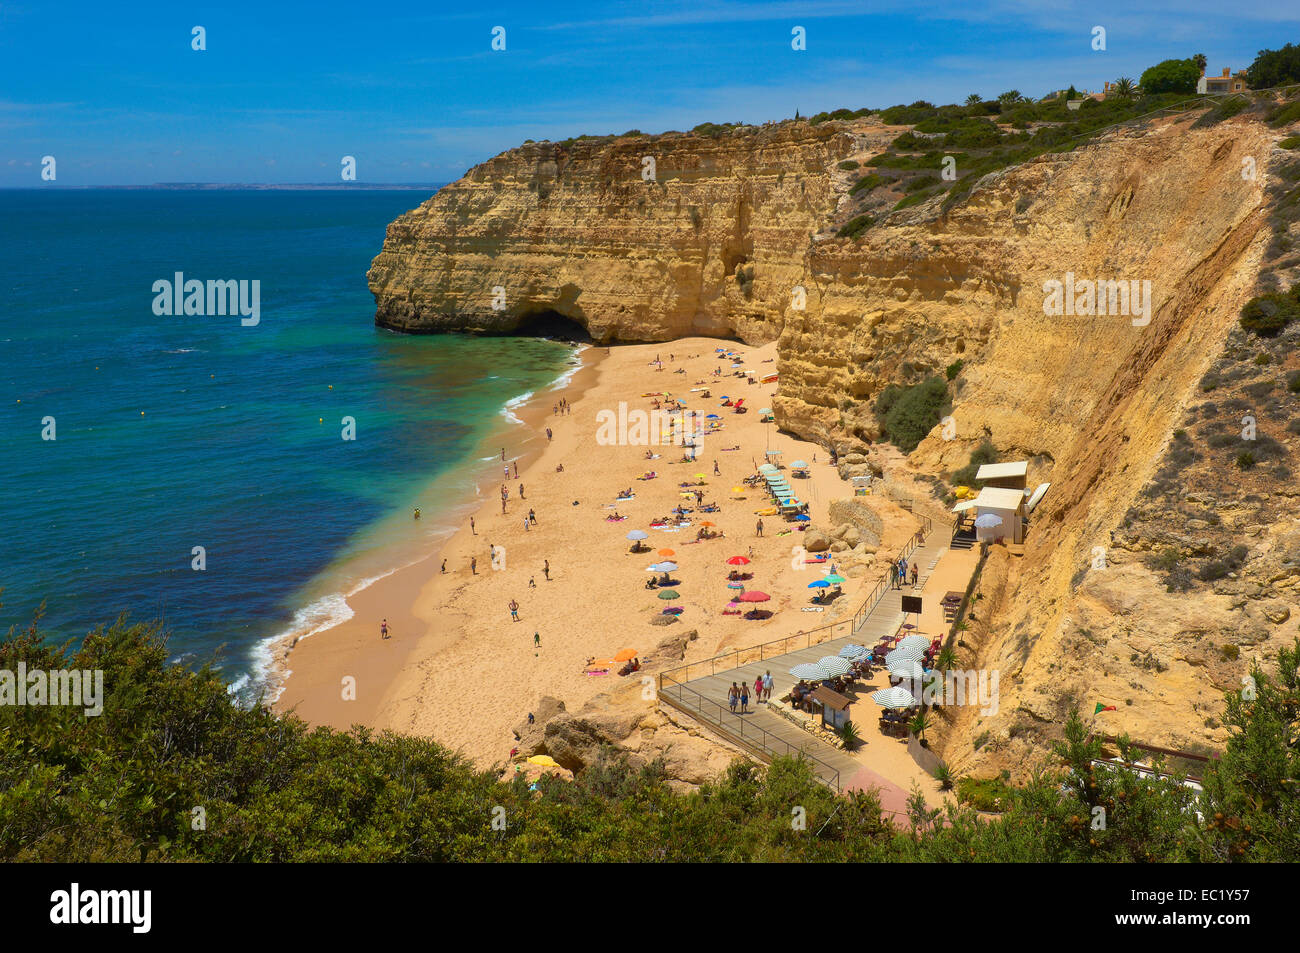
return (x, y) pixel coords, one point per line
(731, 227)
(695, 244)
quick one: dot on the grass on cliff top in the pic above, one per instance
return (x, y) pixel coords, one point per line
(976, 139)
(121, 787)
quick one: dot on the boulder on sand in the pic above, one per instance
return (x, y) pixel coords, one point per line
(816, 540)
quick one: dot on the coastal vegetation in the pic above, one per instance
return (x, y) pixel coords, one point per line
(907, 414)
(173, 771)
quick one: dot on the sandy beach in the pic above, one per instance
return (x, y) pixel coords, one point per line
(458, 669)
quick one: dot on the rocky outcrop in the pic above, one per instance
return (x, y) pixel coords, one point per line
(639, 239)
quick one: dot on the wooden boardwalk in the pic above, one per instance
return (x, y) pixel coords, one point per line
(769, 735)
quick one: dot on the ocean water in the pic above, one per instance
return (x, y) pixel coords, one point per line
(176, 432)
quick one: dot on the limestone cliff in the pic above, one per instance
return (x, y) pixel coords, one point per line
(642, 239)
(732, 232)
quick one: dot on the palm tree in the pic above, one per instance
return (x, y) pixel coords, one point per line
(918, 725)
(848, 733)
(974, 99)
(1123, 88)
(947, 659)
(943, 774)
(1010, 97)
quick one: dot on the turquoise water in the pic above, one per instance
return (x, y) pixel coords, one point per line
(176, 432)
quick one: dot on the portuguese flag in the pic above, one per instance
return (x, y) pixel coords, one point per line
(1100, 708)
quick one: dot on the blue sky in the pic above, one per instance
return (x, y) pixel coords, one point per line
(116, 94)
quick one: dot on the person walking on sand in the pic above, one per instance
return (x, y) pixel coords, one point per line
(444, 566)
(503, 454)
(532, 583)
(514, 611)
(532, 517)
(526, 524)
(473, 565)
(515, 464)
(716, 471)
(744, 698)
(767, 684)
(548, 434)
(521, 491)
(383, 629)
(759, 528)
(546, 569)
(472, 530)
(537, 640)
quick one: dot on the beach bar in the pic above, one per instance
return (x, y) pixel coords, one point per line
(1008, 505)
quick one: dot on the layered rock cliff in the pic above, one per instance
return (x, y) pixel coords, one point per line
(733, 236)
(642, 239)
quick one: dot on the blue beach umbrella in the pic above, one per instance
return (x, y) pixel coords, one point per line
(638, 534)
(819, 584)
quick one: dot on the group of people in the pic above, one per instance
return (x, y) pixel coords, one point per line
(899, 573)
(738, 694)
(560, 410)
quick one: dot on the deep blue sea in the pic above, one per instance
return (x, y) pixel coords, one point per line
(175, 432)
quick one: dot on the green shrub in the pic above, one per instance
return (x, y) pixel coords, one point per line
(906, 415)
(1245, 460)
(866, 184)
(954, 369)
(920, 182)
(1293, 382)
(1284, 115)
(1290, 142)
(848, 165)
(1267, 314)
(855, 226)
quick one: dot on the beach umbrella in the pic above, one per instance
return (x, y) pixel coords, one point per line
(753, 595)
(667, 552)
(893, 698)
(834, 578)
(903, 667)
(913, 642)
(765, 410)
(626, 655)
(637, 535)
(833, 665)
(737, 489)
(851, 650)
(707, 523)
(738, 561)
(911, 653)
(664, 567)
(701, 475)
(819, 584)
(803, 518)
(775, 453)
(735, 585)
(712, 417)
(768, 467)
(670, 594)
(988, 521)
(862, 656)
(809, 671)
(799, 464)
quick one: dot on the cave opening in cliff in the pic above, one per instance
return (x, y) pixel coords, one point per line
(552, 324)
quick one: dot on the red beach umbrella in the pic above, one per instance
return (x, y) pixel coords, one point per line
(737, 561)
(753, 595)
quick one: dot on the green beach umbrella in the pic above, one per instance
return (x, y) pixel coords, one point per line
(669, 594)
